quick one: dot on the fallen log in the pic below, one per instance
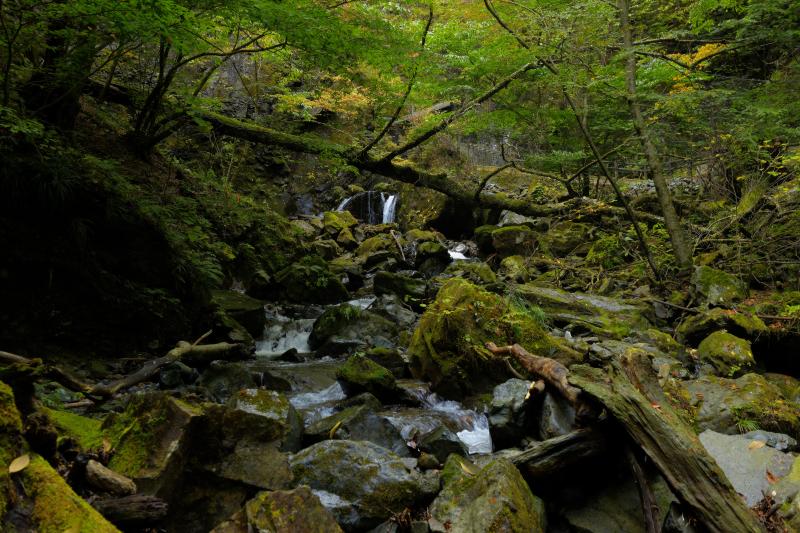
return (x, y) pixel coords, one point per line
(137, 510)
(673, 447)
(193, 354)
(543, 459)
(105, 479)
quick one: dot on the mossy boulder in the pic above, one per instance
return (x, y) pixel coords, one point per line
(365, 482)
(514, 240)
(495, 499)
(718, 288)
(476, 272)
(514, 268)
(86, 432)
(382, 242)
(12, 444)
(411, 291)
(419, 235)
(53, 507)
(347, 240)
(743, 324)
(360, 374)
(729, 355)
(749, 402)
(335, 221)
(788, 385)
(432, 258)
(247, 311)
(567, 238)
(326, 248)
(258, 415)
(150, 440)
(448, 346)
(390, 359)
(331, 322)
(223, 379)
(602, 315)
(483, 237)
(298, 511)
(310, 280)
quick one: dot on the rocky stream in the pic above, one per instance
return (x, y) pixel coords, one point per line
(368, 399)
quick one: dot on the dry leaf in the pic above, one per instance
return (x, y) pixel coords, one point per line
(756, 444)
(106, 445)
(468, 469)
(772, 478)
(19, 464)
(334, 429)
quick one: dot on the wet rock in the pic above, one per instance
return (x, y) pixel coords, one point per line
(779, 441)
(483, 238)
(419, 235)
(310, 280)
(508, 412)
(557, 417)
(346, 240)
(602, 315)
(509, 218)
(789, 386)
(222, 379)
(513, 240)
(360, 374)
(383, 242)
(150, 439)
(374, 480)
(282, 511)
(411, 291)
(361, 423)
(345, 328)
(432, 258)
(448, 346)
(746, 465)
(334, 222)
(427, 461)
(441, 442)
(257, 464)
(495, 498)
(742, 324)
(718, 288)
(746, 403)
(247, 311)
(729, 355)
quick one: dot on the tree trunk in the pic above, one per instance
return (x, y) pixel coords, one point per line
(680, 242)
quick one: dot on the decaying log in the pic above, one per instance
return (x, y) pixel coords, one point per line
(192, 354)
(646, 496)
(137, 510)
(553, 372)
(105, 479)
(673, 447)
(543, 459)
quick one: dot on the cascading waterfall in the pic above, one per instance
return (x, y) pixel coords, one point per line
(372, 207)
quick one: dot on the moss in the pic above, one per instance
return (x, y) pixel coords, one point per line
(380, 242)
(418, 235)
(566, 238)
(310, 280)
(477, 272)
(11, 441)
(739, 323)
(718, 287)
(361, 374)
(332, 321)
(514, 268)
(607, 252)
(87, 432)
(483, 237)
(513, 240)
(728, 354)
(448, 346)
(336, 221)
(56, 508)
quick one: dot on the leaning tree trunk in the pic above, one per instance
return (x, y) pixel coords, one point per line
(680, 242)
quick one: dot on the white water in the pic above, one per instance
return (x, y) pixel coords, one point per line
(389, 205)
(283, 333)
(457, 256)
(473, 427)
(362, 303)
(318, 404)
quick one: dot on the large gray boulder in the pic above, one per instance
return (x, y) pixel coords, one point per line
(375, 481)
(508, 412)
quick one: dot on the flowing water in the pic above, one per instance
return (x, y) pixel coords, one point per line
(372, 207)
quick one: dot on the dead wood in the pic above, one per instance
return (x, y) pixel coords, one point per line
(549, 457)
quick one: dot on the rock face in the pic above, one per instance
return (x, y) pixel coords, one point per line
(729, 355)
(372, 480)
(746, 463)
(718, 288)
(448, 346)
(748, 402)
(508, 412)
(495, 499)
(602, 315)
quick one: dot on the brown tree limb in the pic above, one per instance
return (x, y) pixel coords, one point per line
(649, 505)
